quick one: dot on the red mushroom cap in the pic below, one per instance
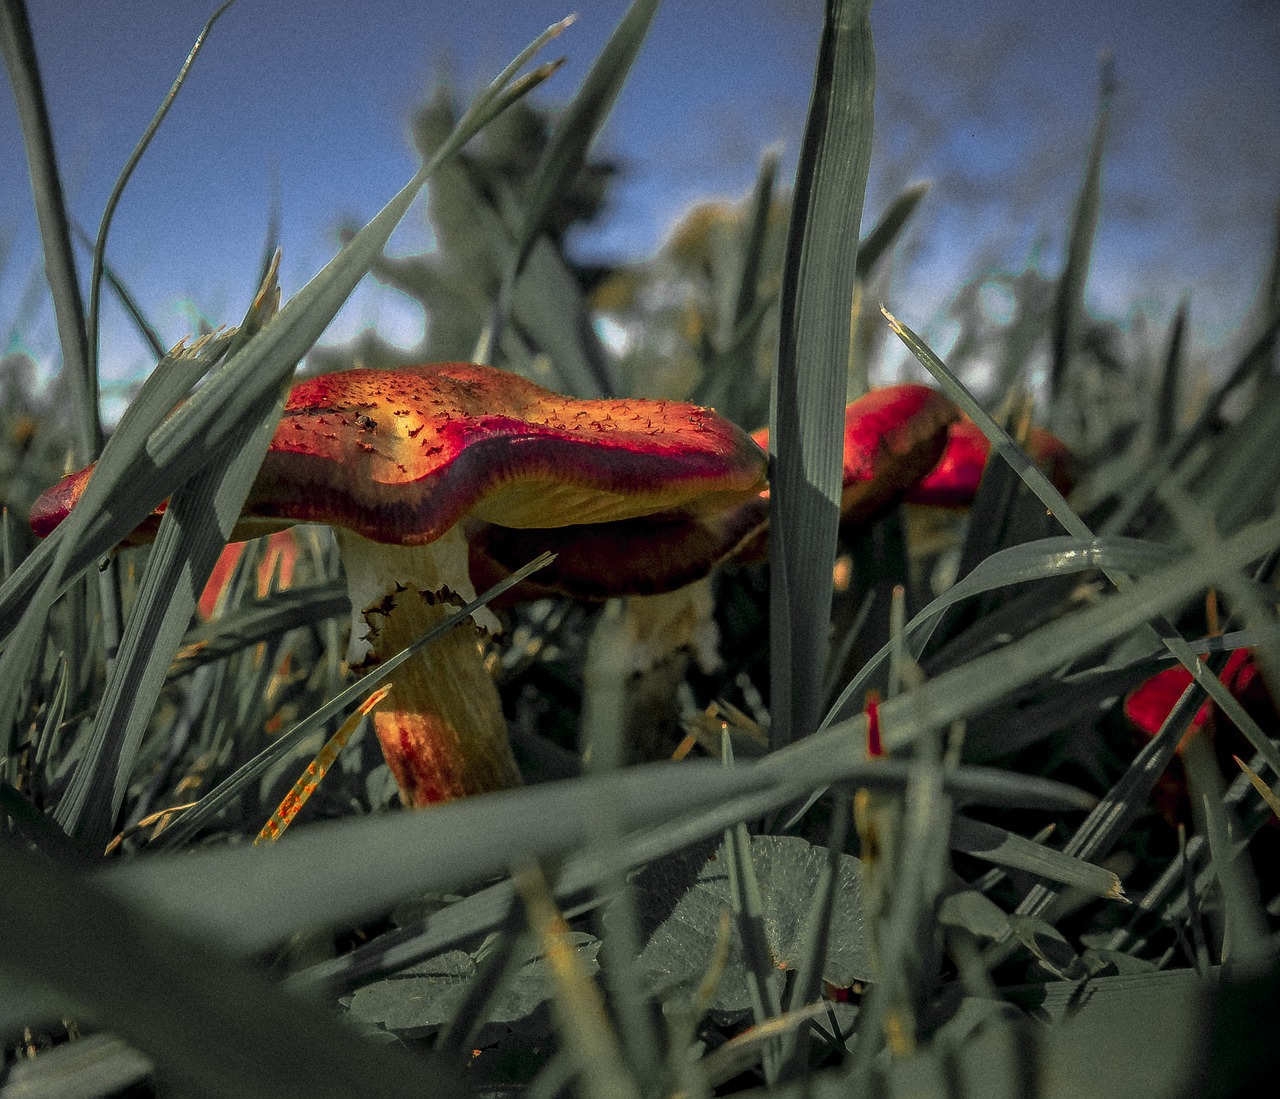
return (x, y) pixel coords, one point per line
(954, 481)
(892, 436)
(1150, 703)
(401, 455)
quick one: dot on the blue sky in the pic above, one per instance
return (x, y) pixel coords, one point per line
(992, 102)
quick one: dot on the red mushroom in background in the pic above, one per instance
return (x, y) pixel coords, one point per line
(403, 463)
(1149, 704)
(954, 481)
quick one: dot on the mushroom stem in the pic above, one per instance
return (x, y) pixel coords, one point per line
(442, 730)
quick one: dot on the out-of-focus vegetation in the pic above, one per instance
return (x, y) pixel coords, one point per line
(996, 908)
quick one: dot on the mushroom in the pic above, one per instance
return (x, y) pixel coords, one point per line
(662, 562)
(404, 464)
(953, 482)
(893, 436)
(1148, 705)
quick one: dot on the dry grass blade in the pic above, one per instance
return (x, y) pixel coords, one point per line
(1260, 784)
(310, 780)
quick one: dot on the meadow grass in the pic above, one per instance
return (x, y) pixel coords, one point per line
(991, 908)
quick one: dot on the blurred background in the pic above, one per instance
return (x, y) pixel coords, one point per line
(314, 102)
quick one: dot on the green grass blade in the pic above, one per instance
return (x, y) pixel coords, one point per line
(807, 986)
(115, 964)
(19, 52)
(218, 799)
(580, 882)
(806, 418)
(562, 159)
(1168, 391)
(1043, 559)
(1068, 306)
(987, 679)
(122, 291)
(753, 243)
(884, 234)
(117, 191)
(992, 844)
(344, 871)
(259, 620)
(578, 126)
(195, 528)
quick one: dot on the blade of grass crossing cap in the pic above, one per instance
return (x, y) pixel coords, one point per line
(193, 532)
(806, 428)
(311, 778)
(218, 799)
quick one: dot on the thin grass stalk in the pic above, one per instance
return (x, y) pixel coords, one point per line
(585, 1033)
(806, 423)
(122, 291)
(104, 226)
(1068, 306)
(18, 49)
(807, 986)
(498, 960)
(1165, 424)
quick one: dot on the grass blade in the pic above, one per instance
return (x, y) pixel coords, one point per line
(1069, 304)
(19, 51)
(577, 128)
(113, 200)
(195, 527)
(810, 382)
(884, 234)
(112, 963)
